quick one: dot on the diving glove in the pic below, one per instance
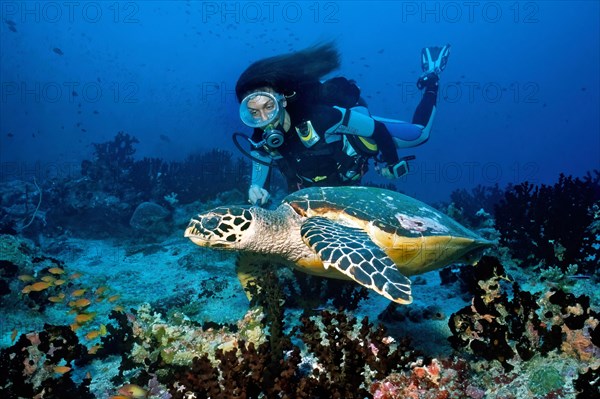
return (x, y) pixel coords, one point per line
(396, 170)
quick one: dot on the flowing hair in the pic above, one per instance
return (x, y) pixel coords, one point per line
(287, 73)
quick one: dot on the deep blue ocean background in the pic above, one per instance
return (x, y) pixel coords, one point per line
(518, 101)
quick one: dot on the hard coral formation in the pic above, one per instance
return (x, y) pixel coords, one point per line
(199, 177)
(552, 224)
(150, 219)
(341, 360)
(505, 324)
(436, 380)
(39, 365)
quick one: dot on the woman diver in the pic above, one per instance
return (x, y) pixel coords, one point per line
(320, 132)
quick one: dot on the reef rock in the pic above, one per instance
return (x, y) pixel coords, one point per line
(150, 219)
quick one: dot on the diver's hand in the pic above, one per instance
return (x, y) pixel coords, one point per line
(258, 195)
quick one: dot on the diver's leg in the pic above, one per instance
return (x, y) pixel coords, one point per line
(425, 111)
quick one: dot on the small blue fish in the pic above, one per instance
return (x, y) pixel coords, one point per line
(580, 277)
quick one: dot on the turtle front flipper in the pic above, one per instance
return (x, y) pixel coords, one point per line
(255, 271)
(247, 268)
(352, 252)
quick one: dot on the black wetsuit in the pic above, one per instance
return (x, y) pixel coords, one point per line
(326, 163)
(323, 163)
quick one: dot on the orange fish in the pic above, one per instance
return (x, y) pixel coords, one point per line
(26, 278)
(114, 298)
(39, 286)
(59, 282)
(78, 292)
(48, 279)
(80, 303)
(96, 333)
(61, 369)
(56, 270)
(55, 299)
(26, 289)
(119, 308)
(92, 334)
(101, 290)
(75, 276)
(133, 391)
(84, 317)
(13, 335)
(94, 349)
(75, 327)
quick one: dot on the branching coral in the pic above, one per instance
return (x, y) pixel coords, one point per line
(112, 162)
(345, 348)
(548, 223)
(468, 205)
(345, 357)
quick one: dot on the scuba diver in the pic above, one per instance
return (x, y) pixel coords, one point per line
(320, 133)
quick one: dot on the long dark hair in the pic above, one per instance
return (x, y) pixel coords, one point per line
(288, 73)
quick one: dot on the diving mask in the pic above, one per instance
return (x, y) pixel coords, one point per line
(261, 109)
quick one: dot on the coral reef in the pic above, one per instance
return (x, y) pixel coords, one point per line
(150, 219)
(436, 380)
(508, 342)
(556, 225)
(112, 163)
(474, 208)
(40, 364)
(509, 325)
(101, 202)
(342, 359)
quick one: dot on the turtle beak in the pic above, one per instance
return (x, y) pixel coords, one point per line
(193, 234)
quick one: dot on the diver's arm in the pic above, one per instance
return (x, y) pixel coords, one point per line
(257, 194)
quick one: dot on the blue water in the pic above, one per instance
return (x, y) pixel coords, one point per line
(518, 101)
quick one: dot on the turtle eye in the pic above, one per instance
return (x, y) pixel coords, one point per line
(211, 222)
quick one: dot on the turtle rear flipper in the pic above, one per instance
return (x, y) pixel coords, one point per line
(353, 253)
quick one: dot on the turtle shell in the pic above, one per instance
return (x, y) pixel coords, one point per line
(386, 210)
(416, 236)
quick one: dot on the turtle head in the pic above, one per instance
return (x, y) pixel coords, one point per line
(222, 227)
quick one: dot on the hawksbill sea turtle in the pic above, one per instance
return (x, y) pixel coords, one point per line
(373, 236)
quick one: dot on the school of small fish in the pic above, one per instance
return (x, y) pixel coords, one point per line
(62, 291)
